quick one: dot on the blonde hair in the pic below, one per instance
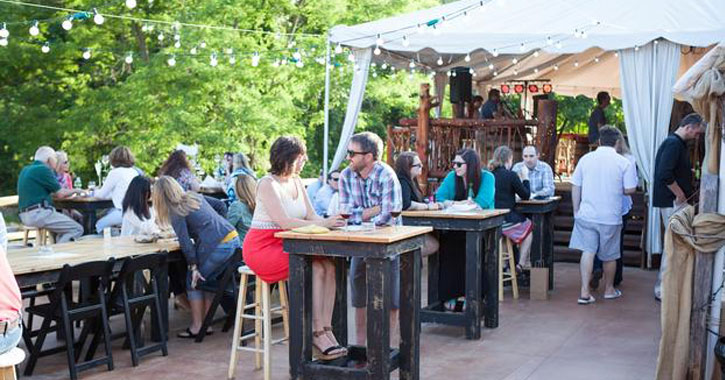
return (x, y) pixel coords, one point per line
(169, 197)
(501, 156)
(246, 189)
(59, 156)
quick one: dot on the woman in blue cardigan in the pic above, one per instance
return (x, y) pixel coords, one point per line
(459, 183)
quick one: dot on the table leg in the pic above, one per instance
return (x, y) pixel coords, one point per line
(163, 287)
(89, 221)
(300, 313)
(537, 255)
(410, 315)
(491, 278)
(549, 245)
(339, 315)
(378, 317)
(473, 284)
(433, 276)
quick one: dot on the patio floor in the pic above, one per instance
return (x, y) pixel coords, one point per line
(555, 339)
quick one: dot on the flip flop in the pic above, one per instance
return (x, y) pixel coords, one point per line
(586, 301)
(186, 334)
(617, 294)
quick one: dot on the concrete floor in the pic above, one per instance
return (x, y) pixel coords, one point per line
(554, 339)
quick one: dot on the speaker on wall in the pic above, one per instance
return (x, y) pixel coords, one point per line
(461, 85)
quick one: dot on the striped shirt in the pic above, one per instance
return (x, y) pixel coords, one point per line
(380, 188)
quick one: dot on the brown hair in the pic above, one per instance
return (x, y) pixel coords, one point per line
(121, 157)
(246, 190)
(168, 197)
(176, 162)
(283, 154)
(501, 156)
(369, 143)
(473, 174)
(403, 165)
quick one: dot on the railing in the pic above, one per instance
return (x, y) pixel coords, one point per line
(447, 136)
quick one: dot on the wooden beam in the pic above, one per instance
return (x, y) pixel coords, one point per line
(421, 142)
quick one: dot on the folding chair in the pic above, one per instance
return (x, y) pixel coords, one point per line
(63, 310)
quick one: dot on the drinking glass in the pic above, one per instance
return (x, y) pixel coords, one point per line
(345, 213)
(395, 213)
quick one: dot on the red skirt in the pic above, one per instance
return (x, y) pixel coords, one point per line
(264, 255)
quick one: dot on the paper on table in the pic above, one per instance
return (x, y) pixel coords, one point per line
(210, 183)
(462, 207)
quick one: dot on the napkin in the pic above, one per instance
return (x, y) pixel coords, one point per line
(311, 229)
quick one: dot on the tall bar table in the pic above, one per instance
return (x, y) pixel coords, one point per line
(541, 213)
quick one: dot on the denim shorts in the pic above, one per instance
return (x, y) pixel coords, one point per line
(213, 267)
(10, 339)
(358, 283)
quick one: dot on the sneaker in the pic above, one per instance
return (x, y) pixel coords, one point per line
(594, 282)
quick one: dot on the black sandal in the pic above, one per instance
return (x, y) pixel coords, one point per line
(186, 334)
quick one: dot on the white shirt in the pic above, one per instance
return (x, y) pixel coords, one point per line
(116, 185)
(3, 233)
(132, 225)
(334, 207)
(627, 199)
(603, 175)
(294, 208)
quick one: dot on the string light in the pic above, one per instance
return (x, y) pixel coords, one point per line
(536, 53)
(213, 60)
(596, 59)
(130, 4)
(536, 70)
(379, 41)
(490, 66)
(338, 49)
(495, 73)
(232, 59)
(161, 37)
(516, 72)
(177, 37)
(34, 30)
(411, 64)
(3, 42)
(177, 44)
(255, 59)
(193, 50)
(467, 58)
(559, 44)
(4, 33)
(377, 50)
(171, 61)
(384, 66)
(129, 58)
(67, 23)
(549, 41)
(87, 54)
(556, 67)
(406, 43)
(616, 54)
(202, 45)
(300, 64)
(636, 48)
(420, 29)
(522, 48)
(515, 60)
(494, 53)
(576, 63)
(440, 61)
(45, 48)
(98, 18)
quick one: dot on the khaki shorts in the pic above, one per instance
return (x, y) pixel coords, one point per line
(602, 239)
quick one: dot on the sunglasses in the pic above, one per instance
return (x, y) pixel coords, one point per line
(458, 164)
(352, 153)
(333, 179)
(417, 165)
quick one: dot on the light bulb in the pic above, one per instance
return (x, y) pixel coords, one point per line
(98, 18)
(495, 73)
(420, 29)
(576, 63)
(375, 75)
(177, 37)
(3, 42)
(490, 66)
(584, 34)
(193, 51)
(376, 51)
(536, 70)
(129, 58)
(67, 24)
(471, 71)
(130, 4)
(448, 73)
(515, 61)
(45, 48)
(296, 55)
(616, 54)
(440, 61)
(516, 72)
(338, 49)
(494, 53)
(406, 43)
(549, 41)
(177, 44)
(255, 60)
(636, 48)
(4, 32)
(161, 37)
(171, 61)
(559, 45)
(87, 54)
(596, 59)
(384, 66)
(556, 67)
(34, 30)
(276, 64)
(467, 58)
(299, 64)
(232, 60)
(229, 51)
(373, 65)
(536, 53)
(522, 48)
(202, 45)
(411, 64)
(213, 60)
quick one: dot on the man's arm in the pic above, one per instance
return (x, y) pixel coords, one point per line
(666, 171)
(680, 196)
(576, 197)
(548, 182)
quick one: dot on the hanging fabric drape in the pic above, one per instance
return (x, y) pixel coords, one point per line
(647, 77)
(354, 103)
(439, 82)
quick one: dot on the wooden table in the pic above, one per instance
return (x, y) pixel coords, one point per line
(87, 206)
(379, 248)
(542, 247)
(482, 229)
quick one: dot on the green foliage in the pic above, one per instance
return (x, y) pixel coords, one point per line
(573, 113)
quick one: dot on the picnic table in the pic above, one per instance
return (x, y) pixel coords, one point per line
(87, 206)
(541, 212)
(379, 247)
(482, 229)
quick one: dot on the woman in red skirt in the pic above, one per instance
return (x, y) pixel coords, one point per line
(283, 204)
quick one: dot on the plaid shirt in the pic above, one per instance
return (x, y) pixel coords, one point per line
(541, 178)
(380, 188)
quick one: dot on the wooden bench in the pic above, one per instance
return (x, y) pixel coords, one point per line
(9, 201)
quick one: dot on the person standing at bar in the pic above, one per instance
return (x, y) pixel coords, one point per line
(372, 185)
(597, 118)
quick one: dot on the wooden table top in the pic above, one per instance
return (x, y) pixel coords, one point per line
(31, 260)
(81, 199)
(380, 235)
(443, 214)
(539, 201)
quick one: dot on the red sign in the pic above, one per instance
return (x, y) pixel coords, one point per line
(547, 88)
(533, 88)
(519, 88)
(505, 88)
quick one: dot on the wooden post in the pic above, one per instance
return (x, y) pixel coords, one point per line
(390, 144)
(421, 140)
(546, 131)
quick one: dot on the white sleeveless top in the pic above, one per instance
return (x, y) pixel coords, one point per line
(295, 208)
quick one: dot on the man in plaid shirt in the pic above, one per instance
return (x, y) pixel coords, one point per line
(541, 177)
(373, 185)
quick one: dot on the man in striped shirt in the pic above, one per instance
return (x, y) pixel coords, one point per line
(373, 186)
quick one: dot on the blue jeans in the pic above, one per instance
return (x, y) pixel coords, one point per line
(10, 339)
(213, 267)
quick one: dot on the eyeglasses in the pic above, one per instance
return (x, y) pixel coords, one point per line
(417, 165)
(352, 153)
(333, 179)
(458, 164)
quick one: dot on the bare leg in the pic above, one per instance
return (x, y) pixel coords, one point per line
(610, 269)
(524, 250)
(319, 316)
(198, 306)
(430, 245)
(585, 266)
(329, 301)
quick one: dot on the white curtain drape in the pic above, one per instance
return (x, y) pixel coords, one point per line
(440, 81)
(354, 103)
(647, 77)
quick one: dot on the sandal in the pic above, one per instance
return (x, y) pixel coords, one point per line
(331, 336)
(186, 334)
(586, 301)
(617, 294)
(327, 354)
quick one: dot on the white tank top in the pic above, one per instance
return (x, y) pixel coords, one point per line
(295, 208)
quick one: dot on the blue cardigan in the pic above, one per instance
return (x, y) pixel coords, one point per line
(486, 189)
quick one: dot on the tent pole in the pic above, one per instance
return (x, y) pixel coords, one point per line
(326, 133)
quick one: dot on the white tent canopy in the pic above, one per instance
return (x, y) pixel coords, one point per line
(572, 43)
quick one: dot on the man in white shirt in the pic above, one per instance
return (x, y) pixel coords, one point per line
(541, 177)
(600, 179)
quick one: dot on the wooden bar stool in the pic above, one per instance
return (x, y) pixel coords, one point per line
(262, 318)
(42, 236)
(8, 361)
(506, 252)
